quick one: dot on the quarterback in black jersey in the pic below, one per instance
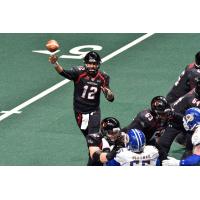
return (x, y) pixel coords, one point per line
(89, 81)
(186, 80)
(104, 145)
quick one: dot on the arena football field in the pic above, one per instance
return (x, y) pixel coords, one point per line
(37, 124)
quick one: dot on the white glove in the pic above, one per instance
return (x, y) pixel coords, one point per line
(170, 162)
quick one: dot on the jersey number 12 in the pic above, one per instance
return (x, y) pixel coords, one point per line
(89, 92)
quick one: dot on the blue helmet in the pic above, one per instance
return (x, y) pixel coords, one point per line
(191, 118)
(136, 140)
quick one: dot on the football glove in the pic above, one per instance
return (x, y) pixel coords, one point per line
(171, 162)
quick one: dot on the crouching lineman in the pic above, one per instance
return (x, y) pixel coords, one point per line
(103, 146)
(191, 122)
(135, 153)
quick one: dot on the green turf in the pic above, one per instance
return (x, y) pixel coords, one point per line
(45, 133)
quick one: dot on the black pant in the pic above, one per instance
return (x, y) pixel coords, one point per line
(93, 124)
(93, 127)
(166, 140)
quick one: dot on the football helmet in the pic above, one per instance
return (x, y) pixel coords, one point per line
(197, 59)
(159, 105)
(110, 128)
(92, 58)
(191, 118)
(136, 140)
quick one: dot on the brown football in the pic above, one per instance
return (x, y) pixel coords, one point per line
(52, 45)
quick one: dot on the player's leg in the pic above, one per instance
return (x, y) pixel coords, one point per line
(189, 146)
(94, 127)
(79, 120)
(166, 140)
(94, 122)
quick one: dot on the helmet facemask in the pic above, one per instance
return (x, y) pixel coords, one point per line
(160, 107)
(92, 63)
(112, 135)
(92, 68)
(110, 128)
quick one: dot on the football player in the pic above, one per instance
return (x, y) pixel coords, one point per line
(191, 99)
(104, 145)
(186, 80)
(191, 122)
(135, 153)
(89, 81)
(152, 122)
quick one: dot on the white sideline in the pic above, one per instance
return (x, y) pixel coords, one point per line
(58, 85)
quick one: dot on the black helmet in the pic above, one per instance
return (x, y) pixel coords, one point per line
(197, 59)
(110, 125)
(92, 57)
(159, 105)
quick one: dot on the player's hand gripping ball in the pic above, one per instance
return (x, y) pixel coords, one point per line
(52, 45)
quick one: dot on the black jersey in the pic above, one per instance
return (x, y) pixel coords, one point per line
(191, 99)
(151, 125)
(87, 89)
(184, 84)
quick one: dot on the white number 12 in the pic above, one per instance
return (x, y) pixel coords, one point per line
(91, 94)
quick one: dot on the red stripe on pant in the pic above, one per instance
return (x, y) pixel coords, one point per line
(79, 119)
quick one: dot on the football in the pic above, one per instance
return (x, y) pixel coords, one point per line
(52, 45)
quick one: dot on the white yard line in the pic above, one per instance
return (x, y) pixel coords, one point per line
(60, 84)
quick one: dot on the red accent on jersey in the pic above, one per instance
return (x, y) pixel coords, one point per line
(102, 78)
(191, 65)
(81, 76)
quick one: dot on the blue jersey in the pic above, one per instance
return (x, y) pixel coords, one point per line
(191, 161)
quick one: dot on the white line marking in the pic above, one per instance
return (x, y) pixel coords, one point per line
(60, 84)
(16, 112)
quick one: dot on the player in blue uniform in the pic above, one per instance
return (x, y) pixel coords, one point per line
(191, 122)
(135, 153)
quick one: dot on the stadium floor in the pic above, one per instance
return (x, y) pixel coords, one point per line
(45, 132)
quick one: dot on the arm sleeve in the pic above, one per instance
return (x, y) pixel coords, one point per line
(107, 80)
(71, 74)
(139, 122)
(191, 161)
(181, 104)
(177, 121)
